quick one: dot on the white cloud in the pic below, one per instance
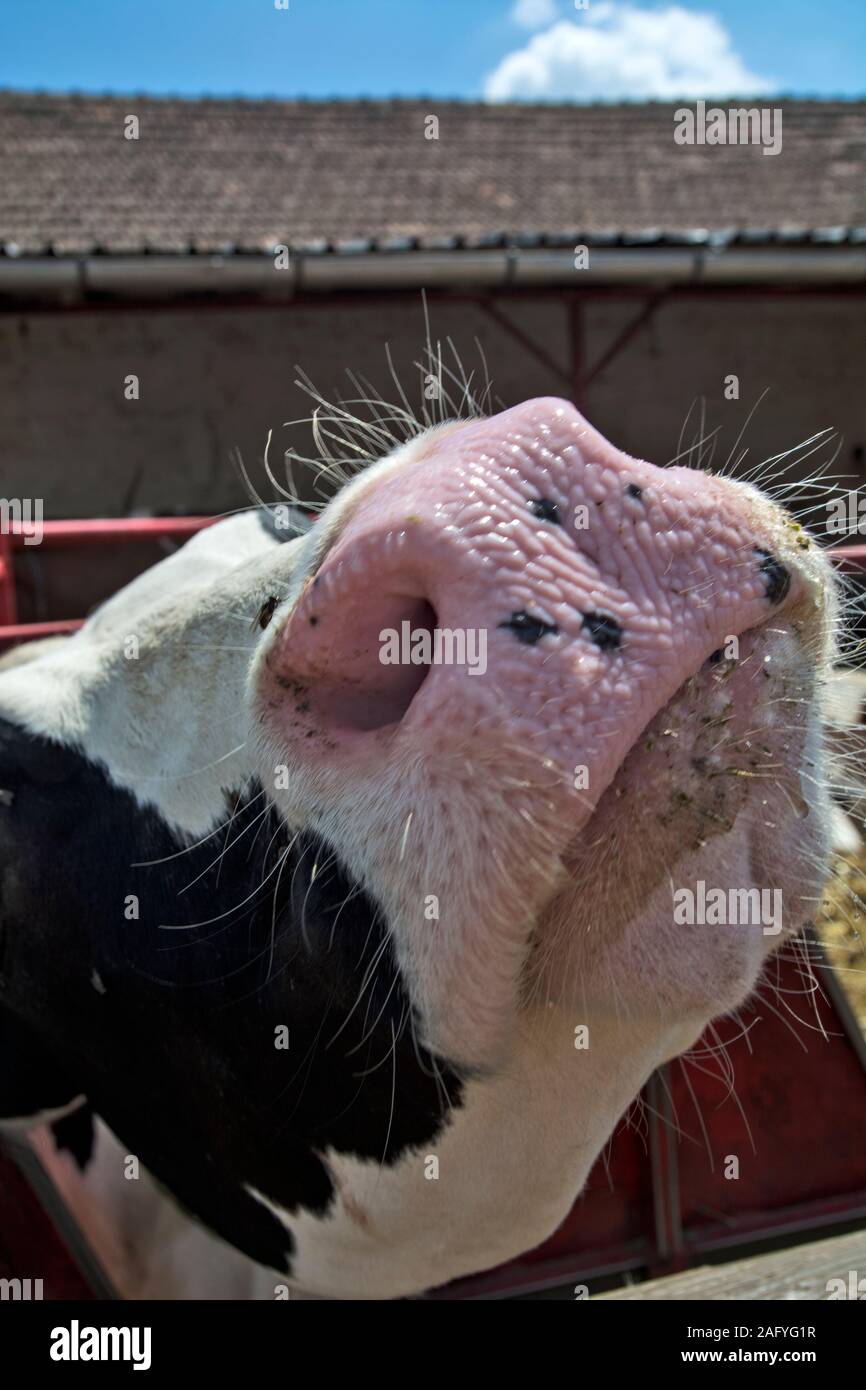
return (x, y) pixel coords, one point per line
(619, 52)
(534, 14)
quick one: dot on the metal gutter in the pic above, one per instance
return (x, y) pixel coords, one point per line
(89, 278)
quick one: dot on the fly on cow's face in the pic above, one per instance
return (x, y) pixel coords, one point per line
(265, 613)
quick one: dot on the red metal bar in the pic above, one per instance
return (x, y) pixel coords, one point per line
(57, 535)
(61, 535)
(669, 1254)
(29, 632)
(850, 558)
(8, 608)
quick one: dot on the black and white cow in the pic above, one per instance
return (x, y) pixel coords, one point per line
(362, 957)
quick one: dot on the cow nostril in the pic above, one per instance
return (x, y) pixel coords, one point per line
(367, 674)
(777, 577)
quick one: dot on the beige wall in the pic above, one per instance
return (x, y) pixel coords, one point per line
(216, 379)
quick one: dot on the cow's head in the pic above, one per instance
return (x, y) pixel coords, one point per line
(360, 880)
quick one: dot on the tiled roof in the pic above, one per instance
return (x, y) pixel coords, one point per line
(215, 175)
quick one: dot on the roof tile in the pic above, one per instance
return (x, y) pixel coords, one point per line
(208, 175)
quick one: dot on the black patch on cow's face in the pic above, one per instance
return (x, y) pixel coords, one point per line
(171, 1034)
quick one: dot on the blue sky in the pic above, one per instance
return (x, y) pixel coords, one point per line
(502, 49)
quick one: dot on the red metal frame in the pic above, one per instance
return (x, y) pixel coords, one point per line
(62, 535)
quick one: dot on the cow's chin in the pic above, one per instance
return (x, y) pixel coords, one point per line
(723, 792)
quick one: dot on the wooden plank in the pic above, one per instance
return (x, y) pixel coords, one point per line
(801, 1272)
